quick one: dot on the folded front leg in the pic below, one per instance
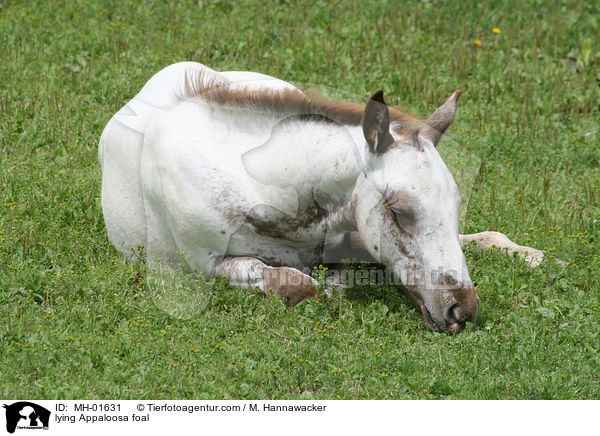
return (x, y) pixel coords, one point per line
(247, 272)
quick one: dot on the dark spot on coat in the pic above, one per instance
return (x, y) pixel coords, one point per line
(282, 226)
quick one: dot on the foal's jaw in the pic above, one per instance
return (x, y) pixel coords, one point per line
(445, 296)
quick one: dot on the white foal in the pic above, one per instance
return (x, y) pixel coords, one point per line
(252, 179)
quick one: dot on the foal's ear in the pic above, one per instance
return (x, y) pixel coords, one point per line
(376, 124)
(440, 120)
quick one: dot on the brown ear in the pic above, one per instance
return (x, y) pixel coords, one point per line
(441, 119)
(376, 124)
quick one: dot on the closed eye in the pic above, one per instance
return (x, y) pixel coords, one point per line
(404, 218)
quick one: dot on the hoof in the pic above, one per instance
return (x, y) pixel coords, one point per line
(290, 284)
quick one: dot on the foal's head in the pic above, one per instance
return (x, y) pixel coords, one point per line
(407, 208)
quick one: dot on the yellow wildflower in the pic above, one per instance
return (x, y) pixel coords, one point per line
(477, 42)
(496, 30)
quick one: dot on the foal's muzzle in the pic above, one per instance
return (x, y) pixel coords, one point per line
(462, 307)
(453, 311)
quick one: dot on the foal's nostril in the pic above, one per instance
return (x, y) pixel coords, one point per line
(451, 313)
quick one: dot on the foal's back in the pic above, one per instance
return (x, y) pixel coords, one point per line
(128, 217)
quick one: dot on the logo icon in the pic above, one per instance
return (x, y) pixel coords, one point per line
(26, 415)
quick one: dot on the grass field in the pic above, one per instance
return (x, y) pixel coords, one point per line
(77, 321)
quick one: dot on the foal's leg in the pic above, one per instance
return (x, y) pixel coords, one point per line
(290, 284)
(487, 240)
(484, 240)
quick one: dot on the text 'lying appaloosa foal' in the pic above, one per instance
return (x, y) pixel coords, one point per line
(255, 180)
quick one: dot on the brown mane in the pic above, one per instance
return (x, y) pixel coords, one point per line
(286, 102)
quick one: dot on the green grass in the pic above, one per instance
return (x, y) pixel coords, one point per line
(77, 321)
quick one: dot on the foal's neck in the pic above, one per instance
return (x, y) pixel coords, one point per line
(323, 162)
